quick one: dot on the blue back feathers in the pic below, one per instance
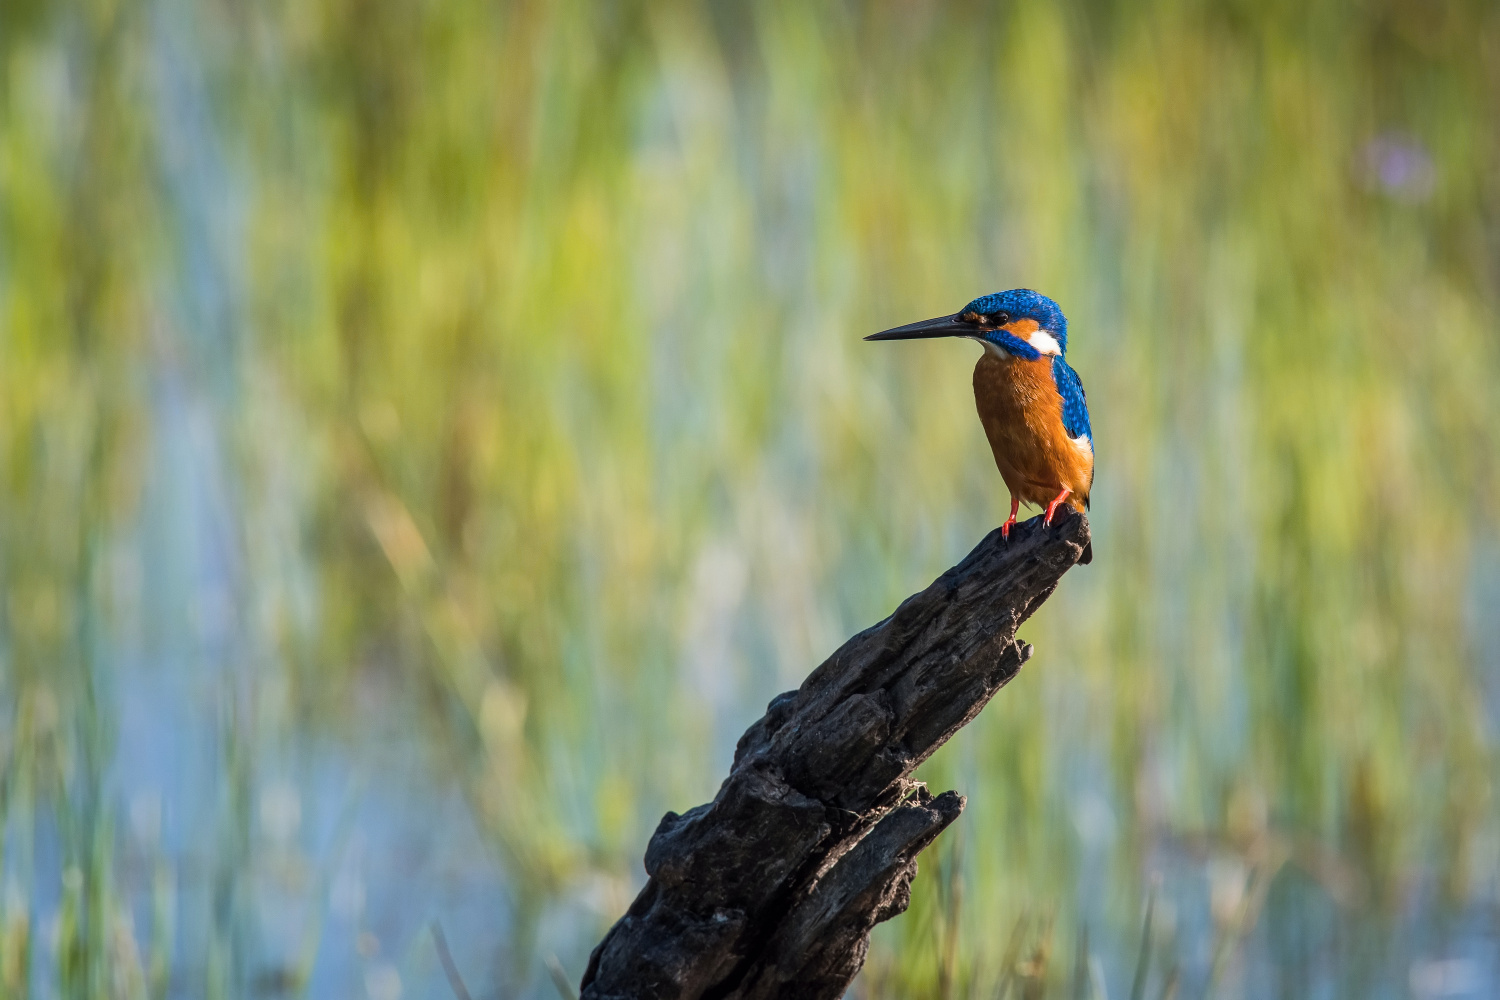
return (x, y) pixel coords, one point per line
(1023, 303)
(1075, 407)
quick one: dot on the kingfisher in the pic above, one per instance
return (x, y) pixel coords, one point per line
(1030, 401)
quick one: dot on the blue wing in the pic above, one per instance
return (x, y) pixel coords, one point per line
(1075, 407)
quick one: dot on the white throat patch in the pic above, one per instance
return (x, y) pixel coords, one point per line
(990, 348)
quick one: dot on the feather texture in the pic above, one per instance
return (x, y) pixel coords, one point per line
(1021, 407)
(1075, 406)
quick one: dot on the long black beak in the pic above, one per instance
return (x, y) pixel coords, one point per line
(943, 326)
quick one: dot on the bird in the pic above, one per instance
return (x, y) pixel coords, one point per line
(1030, 400)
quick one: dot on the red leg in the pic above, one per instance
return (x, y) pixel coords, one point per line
(1056, 502)
(1015, 505)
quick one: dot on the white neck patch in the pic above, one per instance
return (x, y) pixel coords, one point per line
(1043, 342)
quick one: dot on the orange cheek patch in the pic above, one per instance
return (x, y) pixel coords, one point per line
(1022, 328)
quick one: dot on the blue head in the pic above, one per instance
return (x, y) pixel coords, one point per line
(1020, 322)
(1011, 310)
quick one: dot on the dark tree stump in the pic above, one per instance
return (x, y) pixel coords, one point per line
(771, 889)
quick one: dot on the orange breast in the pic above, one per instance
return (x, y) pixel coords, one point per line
(1022, 416)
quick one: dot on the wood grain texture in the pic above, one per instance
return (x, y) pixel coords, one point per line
(771, 889)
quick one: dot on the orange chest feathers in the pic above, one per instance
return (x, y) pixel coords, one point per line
(1021, 411)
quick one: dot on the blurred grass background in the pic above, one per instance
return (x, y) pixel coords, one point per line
(429, 433)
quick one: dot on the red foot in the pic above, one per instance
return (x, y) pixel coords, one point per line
(1052, 507)
(1015, 505)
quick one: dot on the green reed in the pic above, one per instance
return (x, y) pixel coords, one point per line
(530, 336)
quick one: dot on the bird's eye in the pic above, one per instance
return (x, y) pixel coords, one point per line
(1000, 318)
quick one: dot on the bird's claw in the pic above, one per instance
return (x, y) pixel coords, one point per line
(1015, 505)
(1052, 507)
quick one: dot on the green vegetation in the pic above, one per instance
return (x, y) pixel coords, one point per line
(482, 384)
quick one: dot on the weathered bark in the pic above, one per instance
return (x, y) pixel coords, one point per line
(771, 889)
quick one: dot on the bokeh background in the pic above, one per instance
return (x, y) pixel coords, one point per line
(431, 432)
